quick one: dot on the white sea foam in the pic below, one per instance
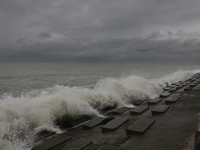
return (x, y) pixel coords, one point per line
(22, 117)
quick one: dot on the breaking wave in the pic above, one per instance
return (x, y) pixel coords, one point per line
(24, 116)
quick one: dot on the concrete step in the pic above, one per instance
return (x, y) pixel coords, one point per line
(77, 145)
(165, 94)
(93, 123)
(188, 88)
(114, 124)
(138, 102)
(54, 141)
(140, 126)
(160, 109)
(43, 135)
(172, 99)
(172, 90)
(108, 147)
(120, 110)
(139, 110)
(193, 85)
(154, 101)
(166, 88)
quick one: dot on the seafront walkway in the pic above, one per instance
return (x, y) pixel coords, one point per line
(170, 122)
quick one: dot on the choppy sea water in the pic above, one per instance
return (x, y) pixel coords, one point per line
(32, 96)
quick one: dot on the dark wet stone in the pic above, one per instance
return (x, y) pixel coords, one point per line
(173, 86)
(165, 94)
(172, 99)
(120, 110)
(179, 87)
(114, 124)
(187, 82)
(154, 101)
(172, 90)
(107, 119)
(160, 109)
(140, 126)
(106, 109)
(166, 88)
(187, 88)
(139, 110)
(93, 123)
(192, 85)
(44, 134)
(183, 84)
(138, 102)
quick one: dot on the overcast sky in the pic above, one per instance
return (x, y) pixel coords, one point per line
(100, 31)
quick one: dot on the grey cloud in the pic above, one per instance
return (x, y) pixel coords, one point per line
(99, 30)
(44, 35)
(107, 50)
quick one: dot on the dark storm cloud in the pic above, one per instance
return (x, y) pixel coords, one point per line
(99, 30)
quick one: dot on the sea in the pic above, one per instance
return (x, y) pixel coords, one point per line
(33, 95)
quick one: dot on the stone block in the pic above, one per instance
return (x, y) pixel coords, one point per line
(165, 94)
(139, 110)
(120, 110)
(138, 102)
(154, 101)
(161, 109)
(188, 88)
(114, 124)
(172, 99)
(93, 123)
(140, 126)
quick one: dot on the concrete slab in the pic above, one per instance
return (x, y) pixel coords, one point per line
(177, 83)
(43, 135)
(161, 109)
(187, 88)
(172, 90)
(183, 84)
(166, 88)
(179, 87)
(154, 101)
(114, 124)
(54, 141)
(107, 119)
(172, 99)
(165, 94)
(138, 102)
(173, 86)
(140, 126)
(192, 85)
(188, 82)
(139, 110)
(108, 147)
(77, 145)
(93, 123)
(120, 110)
